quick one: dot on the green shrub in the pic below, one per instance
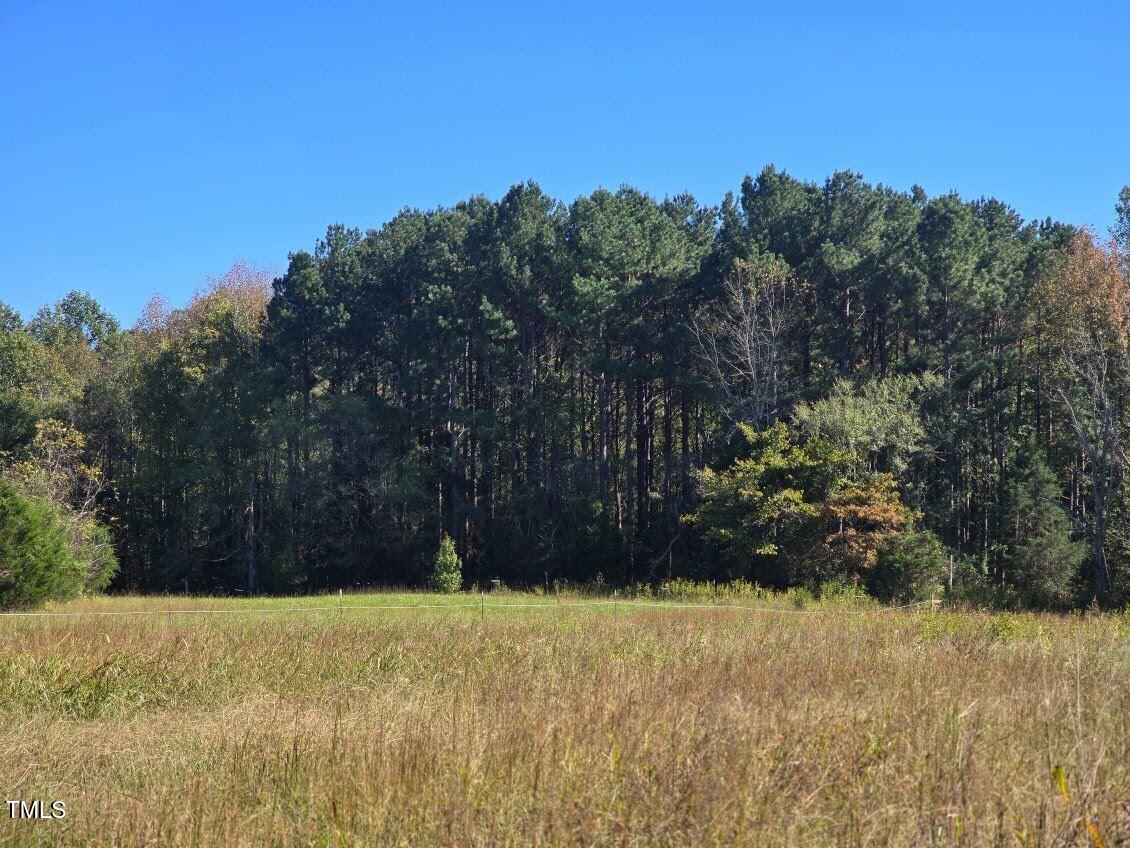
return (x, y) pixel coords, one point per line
(1007, 627)
(36, 559)
(800, 597)
(843, 593)
(595, 586)
(910, 567)
(447, 570)
(680, 588)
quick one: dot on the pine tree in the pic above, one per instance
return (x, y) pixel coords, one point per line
(36, 559)
(447, 570)
(1042, 558)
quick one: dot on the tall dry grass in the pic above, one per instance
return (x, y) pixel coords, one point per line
(566, 726)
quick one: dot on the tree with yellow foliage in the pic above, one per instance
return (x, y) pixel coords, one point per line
(1084, 309)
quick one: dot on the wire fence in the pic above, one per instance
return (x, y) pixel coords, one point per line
(482, 605)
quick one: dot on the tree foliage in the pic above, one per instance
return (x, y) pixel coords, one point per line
(809, 381)
(447, 570)
(909, 567)
(1043, 559)
(1085, 308)
(789, 512)
(36, 560)
(53, 470)
(878, 425)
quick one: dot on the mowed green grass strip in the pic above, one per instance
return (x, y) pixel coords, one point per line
(562, 723)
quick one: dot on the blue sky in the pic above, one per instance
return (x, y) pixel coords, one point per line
(146, 146)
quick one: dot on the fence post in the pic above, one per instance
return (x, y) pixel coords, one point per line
(482, 605)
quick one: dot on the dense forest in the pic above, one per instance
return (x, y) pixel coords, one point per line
(808, 383)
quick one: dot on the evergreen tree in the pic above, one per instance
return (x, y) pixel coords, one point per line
(36, 559)
(447, 570)
(909, 567)
(1042, 560)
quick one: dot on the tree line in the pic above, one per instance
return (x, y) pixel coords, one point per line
(808, 383)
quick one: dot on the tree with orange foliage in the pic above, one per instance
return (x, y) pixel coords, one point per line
(856, 522)
(788, 513)
(1085, 309)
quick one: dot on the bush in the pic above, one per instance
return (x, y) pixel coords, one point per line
(54, 472)
(800, 597)
(680, 588)
(447, 570)
(843, 593)
(36, 559)
(910, 567)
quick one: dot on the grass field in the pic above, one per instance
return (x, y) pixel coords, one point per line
(562, 724)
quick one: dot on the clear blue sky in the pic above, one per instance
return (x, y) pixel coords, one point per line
(146, 146)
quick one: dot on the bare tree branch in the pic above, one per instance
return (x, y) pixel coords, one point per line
(741, 342)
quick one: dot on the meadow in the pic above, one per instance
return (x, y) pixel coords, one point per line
(413, 719)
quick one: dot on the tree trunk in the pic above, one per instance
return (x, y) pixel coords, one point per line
(1098, 537)
(603, 415)
(252, 563)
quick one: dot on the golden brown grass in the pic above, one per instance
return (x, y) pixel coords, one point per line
(565, 726)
